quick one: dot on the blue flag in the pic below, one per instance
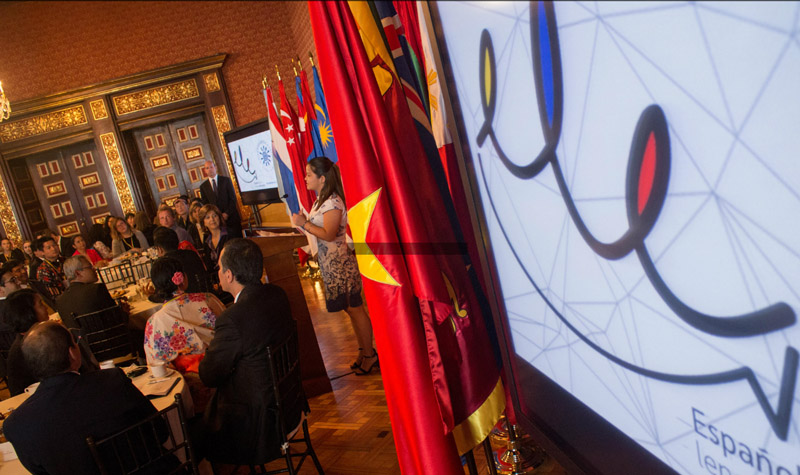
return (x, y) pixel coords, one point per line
(323, 121)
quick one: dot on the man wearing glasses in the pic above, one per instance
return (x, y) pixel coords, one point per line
(84, 294)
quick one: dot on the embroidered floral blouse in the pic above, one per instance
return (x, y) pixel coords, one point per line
(183, 326)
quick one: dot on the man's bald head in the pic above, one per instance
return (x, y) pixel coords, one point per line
(49, 349)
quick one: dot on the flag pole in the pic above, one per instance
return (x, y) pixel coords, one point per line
(278, 73)
(311, 58)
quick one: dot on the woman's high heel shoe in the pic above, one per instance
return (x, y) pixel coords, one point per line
(357, 362)
(360, 371)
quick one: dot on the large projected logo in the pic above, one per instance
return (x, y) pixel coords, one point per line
(646, 186)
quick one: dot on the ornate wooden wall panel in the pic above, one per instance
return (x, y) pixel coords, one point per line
(107, 115)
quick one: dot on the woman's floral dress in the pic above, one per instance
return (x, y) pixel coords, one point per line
(336, 261)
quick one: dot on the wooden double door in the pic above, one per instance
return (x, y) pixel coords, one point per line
(66, 190)
(173, 155)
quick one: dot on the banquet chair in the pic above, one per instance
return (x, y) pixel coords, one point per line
(117, 276)
(138, 449)
(106, 332)
(290, 398)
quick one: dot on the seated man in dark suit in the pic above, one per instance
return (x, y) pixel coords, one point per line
(49, 430)
(165, 240)
(84, 294)
(240, 421)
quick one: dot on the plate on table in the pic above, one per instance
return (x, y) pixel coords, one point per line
(117, 293)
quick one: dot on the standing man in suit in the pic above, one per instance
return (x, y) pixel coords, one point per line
(49, 430)
(218, 190)
(240, 422)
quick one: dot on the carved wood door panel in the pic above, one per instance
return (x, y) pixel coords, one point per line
(161, 165)
(191, 144)
(173, 154)
(72, 191)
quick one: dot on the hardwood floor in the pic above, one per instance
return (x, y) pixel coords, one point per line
(350, 427)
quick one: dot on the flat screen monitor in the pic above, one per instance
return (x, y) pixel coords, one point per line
(250, 151)
(635, 168)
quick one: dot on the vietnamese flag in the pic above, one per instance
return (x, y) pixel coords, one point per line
(437, 364)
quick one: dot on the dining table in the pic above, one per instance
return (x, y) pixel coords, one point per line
(10, 464)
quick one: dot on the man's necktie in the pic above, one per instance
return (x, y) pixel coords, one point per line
(214, 185)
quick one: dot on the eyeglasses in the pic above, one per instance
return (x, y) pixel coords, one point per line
(12, 279)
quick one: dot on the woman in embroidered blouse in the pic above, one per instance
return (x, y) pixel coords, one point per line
(216, 235)
(327, 223)
(182, 329)
(125, 239)
(80, 249)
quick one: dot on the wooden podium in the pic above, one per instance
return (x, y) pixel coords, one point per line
(281, 270)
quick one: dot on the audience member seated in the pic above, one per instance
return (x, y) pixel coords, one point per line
(95, 238)
(165, 240)
(196, 228)
(240, 421)
(107, 225)
(9, 283)
(80, 250)
(9, 253)
(27, 250)
(50, 271)
(49, 430)
(166, 218)
(125, 239)
(84, 294)
(144, 224)
(216, 234)
(179, 332)
(181, 206)
(21, 272)
(38, 258)
(24, 308)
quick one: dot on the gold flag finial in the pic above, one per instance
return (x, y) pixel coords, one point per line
(264, 82)
(300, 66)
(278, 73)
(311, 58)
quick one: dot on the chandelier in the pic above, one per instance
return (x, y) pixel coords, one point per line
(5, 104)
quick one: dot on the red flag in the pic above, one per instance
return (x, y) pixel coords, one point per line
(290, 132)
(429, 330)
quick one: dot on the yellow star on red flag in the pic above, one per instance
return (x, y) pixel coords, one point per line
(359, 217)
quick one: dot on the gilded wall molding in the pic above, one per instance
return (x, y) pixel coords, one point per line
(43, 123)
(212, 82)
(7, 216)
(157, 96)
(220, 115)
(111, 150)
(98, 109)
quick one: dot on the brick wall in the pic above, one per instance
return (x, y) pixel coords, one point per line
(50, 47)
